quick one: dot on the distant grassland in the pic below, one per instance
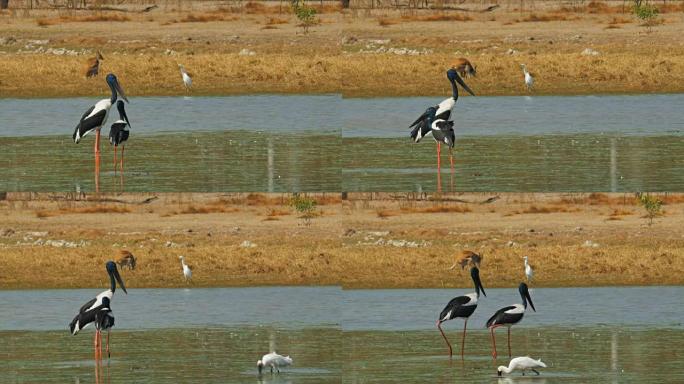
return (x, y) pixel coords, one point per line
(367, 241)
(341, 54)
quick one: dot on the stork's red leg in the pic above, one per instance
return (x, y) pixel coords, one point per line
(509, 342)
(451, 160)
(123, 148)
(107, 349)
(115, 160)
(439, 167)
(465, 324)
(491, 329)
(439, 326)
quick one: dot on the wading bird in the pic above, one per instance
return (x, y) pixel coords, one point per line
(529, 80)
(96, 117)
(187, 80)
(521, 363)
(427, 123)
(273, 360)
(464, 68)
(462, 307)
(187, 272)
(98, 310)
(118, 133)
(93, 65)
(529, 273)
(468, 257)
(509, 316)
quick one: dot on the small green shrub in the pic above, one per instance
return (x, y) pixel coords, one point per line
(306, 206)
(305, 14)
(645, 12)
(652, 205)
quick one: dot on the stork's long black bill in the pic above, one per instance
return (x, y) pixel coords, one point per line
(463, 84)
(529, 299)
(119, 280)
(475, 273)
(121, 92)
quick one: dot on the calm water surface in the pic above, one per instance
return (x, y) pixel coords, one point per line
(585, 335)
(524, 144)
(327, 143)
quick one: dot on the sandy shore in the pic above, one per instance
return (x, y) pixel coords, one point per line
(367, 241)
(356, 52)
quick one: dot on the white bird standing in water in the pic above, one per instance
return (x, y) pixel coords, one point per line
(187, 80)
(529, 80)
(529, 273)
(521, 363)
(273, 360)
(187, 272)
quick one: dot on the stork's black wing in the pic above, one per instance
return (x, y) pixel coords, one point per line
(457, 308)
(87, 124)
(422, 125)
(117, 133)
(499, 317)
(87, 305)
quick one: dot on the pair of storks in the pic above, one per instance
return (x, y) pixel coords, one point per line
(463, 307)
(96, 117)
(436, 121)
(98, 311)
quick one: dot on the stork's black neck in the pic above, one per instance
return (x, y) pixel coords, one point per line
(524, 299)
(113, 283)
(113, 98)
(454, 89)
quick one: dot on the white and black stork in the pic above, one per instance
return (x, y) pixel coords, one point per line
(96, 117)
(98, 311)
(462, 307)
(438, 120)
(118, 133)
(509, 316)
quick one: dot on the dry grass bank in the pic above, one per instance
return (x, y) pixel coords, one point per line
(357, 52)
(368, 241)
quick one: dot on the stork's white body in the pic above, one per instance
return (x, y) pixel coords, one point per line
(522, 364)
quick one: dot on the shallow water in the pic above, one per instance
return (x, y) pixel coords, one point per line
(327, 143)
(584, 335)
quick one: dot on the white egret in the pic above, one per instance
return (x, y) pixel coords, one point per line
(529, 80)
(187, 272)
(187, 80)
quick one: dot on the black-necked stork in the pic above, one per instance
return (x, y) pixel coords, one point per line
(98, 310)
(442, 113)
(118, 133)
(462, 307)
(509, 316)
(96, 117)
